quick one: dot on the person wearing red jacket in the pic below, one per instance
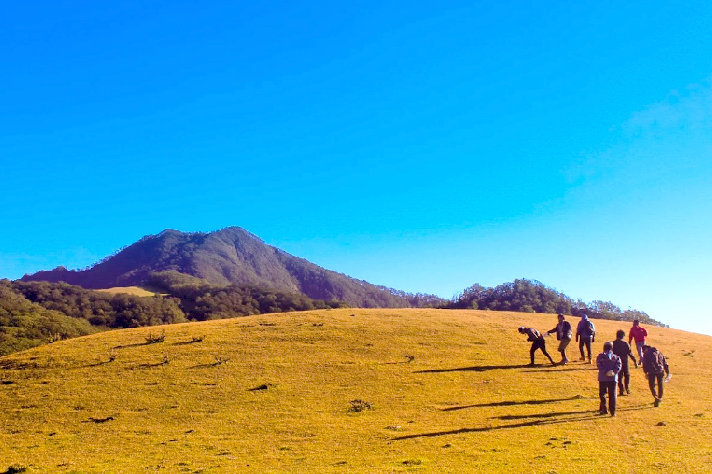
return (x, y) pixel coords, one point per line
(638, 333)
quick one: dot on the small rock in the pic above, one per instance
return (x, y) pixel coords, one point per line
(662, 423)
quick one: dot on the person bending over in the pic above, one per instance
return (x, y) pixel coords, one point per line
(537, 341)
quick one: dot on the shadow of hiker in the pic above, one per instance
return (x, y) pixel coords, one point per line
(493, 428)
(568, 369)
(511, 403)
(477, 368)
(541, 422)
(544, 415)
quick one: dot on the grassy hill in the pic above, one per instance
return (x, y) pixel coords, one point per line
(345, 390)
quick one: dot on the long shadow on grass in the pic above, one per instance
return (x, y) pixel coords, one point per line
(512, 403)
(568, 369)
(543, 415)
(564, 413)
(586, 416)
(476, 368)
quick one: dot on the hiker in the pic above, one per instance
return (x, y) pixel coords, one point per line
(622, 349)
(608, 365)
(585, 335)
(638, 333)
(563, 335)
(537, 343)
(655, 366)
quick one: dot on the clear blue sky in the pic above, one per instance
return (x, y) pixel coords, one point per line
(425, 146)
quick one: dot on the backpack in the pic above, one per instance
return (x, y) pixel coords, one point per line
(589, 329)
(653, 362)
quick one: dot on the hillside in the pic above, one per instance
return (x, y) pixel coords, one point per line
(231, 256)
(437, 390)
(37, 312)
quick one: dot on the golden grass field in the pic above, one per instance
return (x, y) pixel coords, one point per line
(129, 290)
(449, 392)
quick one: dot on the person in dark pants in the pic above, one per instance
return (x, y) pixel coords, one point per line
(537, 341)
(563, 335)
(608, 365)
(655, 367)
(585, 335)
(622, 349)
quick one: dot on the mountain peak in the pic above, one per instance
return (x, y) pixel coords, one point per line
(228, 256)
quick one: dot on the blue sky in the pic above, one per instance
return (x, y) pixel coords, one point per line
(425, 146)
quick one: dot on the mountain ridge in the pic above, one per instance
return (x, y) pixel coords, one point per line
(227, 256)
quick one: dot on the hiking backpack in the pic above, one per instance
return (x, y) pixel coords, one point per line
(590, 328)
(653, 362)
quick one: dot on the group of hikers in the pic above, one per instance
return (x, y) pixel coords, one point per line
(612, 363)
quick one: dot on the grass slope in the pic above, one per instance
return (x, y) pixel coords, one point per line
(448, 391)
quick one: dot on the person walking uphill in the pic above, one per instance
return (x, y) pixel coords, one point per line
(608, 365)
(585, 335)
(537, 343)
(622, 349)
(638, 333)
(655, 366)
(563, 335)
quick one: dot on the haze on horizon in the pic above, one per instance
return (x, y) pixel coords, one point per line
(423, 147)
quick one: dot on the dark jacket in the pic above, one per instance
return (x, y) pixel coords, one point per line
(585, 331)
(532, 334)
(608, 361)
(562, 330)
(622, 349)
(654, 362)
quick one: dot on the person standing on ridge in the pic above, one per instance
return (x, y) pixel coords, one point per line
(655, 366)
(585, 335)
(537, 341)
(608, 365)
(622, 349)
(563, 335)
(638, 333)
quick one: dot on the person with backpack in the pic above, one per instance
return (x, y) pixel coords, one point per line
(585, 335)
(655, 366)
(609, 365)
(537, 341)
(638, 333)
(622, 349)
(563, 335)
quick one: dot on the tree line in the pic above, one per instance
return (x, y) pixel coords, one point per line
(531, 296)
(33, 313)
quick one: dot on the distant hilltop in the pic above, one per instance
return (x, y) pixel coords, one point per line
(231, 256)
